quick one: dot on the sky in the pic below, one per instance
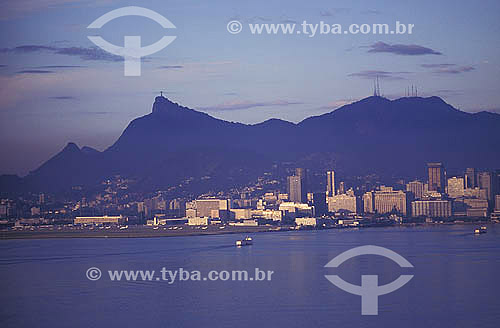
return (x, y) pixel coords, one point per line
(57, 87)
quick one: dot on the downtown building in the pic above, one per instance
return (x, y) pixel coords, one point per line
(388, 200)
(318, 200)
(342, 203)
(416, 188)
(293, 210)
(437, 177)
(485, 182)
(297, 186)
(470, 178)
(331, 187)
(455, 188)
(212, 207)
(433, 208)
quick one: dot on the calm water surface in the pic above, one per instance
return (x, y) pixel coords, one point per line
(455, 284)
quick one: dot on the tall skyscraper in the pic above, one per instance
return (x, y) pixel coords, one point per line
(302, 174)
(470, 178)
(331, 188)
(436, 177)
(416, 188)
(485, 181)
(295, 189)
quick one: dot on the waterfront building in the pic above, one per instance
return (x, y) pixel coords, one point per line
(241, 213)
(204, 207)
(432, 208)
(388, 200)
(275, 215)
(198, 221)
(342, 202)
(311, 222)
(294, 210)
(99, 219)
(476, 207)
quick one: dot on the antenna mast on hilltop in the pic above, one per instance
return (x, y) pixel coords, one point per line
(376, 88)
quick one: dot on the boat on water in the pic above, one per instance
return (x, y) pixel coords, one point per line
(244, 242)
(480, 230)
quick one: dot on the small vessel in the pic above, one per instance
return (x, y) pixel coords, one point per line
(480, 230)
(244, 242)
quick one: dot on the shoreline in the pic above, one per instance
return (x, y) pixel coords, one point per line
(148, 232)
(134, 232)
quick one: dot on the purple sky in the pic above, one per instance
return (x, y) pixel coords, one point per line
(56, 87)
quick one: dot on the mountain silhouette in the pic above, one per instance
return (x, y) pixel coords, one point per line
(374, 135)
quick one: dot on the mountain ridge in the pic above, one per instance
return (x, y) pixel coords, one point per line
(174, 142)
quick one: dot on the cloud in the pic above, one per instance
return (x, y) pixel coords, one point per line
(337, 104)
(2, 66)
(17, 8)
(402, 49)
(239, 104)
(436, 65)
(171, 66)
(59, 66)
(288, 21)
(334, 12)
(448, 68)
(372, 74)
(91, 53)
(35, 71)
(449, 92)
(63, 98)
(250, 20)
(259, 19)
(371, 12)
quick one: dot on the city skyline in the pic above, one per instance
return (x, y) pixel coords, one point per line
(261, 163)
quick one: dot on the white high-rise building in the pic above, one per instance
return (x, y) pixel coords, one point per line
(330, 184)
